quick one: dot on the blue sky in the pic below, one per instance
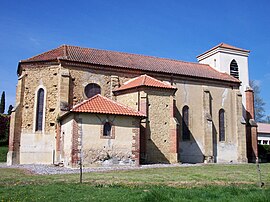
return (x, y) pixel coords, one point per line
(164, 28)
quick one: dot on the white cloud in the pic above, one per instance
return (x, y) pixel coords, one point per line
(34, 41)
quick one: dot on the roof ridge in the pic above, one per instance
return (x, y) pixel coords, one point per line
(144, 81)
(129, 60)
(221, 45)
(137, 54)
(121, 105)
(144, 78)
(130, 80)
(43, 53)
(159, 81)
(109, 100)
(81, 103)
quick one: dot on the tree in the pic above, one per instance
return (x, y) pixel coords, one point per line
(2, 103)
(4, 129)
(267, 119)
(10, 109)
(258, 102)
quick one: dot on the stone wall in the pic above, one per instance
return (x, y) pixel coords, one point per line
(36, 146)
(36, 77)
(121, 148)
(130, 100)
(107, 80)
(157, 104)
(158, 127)
(204, 144)
(66, 143)
(54, 78)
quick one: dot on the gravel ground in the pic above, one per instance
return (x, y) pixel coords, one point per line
(52, 169)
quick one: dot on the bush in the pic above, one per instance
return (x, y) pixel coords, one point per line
(4, 129)
(264, 152)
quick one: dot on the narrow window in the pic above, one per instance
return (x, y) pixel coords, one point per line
(185, 123)
(234, 69)
(221, 125)
(40, 108)
(107, 128)
(92, 89)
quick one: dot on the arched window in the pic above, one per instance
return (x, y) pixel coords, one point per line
(107, 128)
(40, 109)
(185, 123)
(221, 125)
(234, 69)
(92, 89)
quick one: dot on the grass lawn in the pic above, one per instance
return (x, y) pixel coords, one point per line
(196, 183)
(3, 153)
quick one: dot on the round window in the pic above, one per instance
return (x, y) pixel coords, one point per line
(92, 89)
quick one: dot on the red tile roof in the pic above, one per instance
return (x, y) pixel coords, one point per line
(132, 61)
(224, 45)
(263, 128)
(144, 80)
(102, 105)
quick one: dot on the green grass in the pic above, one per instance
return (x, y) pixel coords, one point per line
(86, 192)
(197, 183)
(3, 153)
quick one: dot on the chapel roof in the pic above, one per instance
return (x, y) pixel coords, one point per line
(131, 61)
(102, 105)
(263, 128)
(226, 46)
(144, 80)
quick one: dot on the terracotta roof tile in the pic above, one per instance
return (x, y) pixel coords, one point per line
(263, 128)
(224, 45)
(102, 105)
(144, 80)
(132, 61)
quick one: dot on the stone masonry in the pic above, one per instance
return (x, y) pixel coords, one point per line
(64, 83)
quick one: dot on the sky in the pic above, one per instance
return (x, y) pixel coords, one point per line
(163, 28)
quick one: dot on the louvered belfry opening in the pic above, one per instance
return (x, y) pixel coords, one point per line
(234, 69)
(40, 108)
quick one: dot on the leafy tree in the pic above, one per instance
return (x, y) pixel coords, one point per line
(2, 103)
(258, 102)
(10, 109)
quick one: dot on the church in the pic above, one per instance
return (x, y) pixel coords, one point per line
(103, 108)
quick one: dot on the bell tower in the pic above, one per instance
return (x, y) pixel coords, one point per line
(231, 60)
(234, 61)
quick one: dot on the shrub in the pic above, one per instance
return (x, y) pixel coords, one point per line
(4, 129)
(264, 152)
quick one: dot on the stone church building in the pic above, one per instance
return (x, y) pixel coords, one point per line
(102, 107)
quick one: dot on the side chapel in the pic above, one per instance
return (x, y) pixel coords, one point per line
(111, 108)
